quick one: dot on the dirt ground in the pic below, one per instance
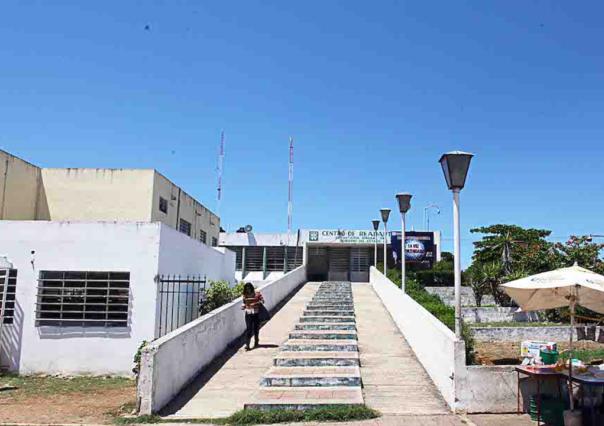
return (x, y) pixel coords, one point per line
(55, 400)
(508, 353)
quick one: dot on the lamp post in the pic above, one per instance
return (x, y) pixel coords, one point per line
(404, 204)
(385, 215)
(427, 214)
(455, 167)
(376, 226)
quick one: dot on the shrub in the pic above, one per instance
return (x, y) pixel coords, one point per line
(219, 293)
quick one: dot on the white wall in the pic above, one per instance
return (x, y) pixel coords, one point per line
(171, 362)
(144, 249)
(98, 246)
(182, 255)
(433, 343)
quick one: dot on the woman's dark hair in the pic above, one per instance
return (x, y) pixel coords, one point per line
(248, 288)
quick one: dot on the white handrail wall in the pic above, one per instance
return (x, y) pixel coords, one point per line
(171, 362)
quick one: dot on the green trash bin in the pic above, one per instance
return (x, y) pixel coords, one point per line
(548, 357)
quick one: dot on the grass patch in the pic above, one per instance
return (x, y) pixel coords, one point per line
(254, 417)
(53, 385)
(585, 355)
(515, 324)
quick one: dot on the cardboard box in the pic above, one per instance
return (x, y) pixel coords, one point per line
(531, 348)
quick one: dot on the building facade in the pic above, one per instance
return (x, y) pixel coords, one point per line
(329, 254)
(28, 192)
(101, 260)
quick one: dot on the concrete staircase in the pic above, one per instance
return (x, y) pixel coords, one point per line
(319, 363)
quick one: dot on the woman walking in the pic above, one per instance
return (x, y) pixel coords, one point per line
(252, 300)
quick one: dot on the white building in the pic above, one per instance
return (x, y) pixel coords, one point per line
(87, 293)
(329, 254)
(90, 252)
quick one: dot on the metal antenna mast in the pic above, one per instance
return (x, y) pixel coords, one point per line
(220, 169)
(290, 188)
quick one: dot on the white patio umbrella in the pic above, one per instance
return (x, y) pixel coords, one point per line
(559, 288)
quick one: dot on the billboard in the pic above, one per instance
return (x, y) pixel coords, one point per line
(419, 247)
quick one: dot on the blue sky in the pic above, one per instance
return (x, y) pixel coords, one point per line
(373, 93)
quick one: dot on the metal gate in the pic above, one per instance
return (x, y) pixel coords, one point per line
(339, 264)
(180, 300)
(359, 264)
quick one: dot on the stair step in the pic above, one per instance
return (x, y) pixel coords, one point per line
(327, 345)
(327, 318)
(324, 334)
(326, 326)
(329, 306)
(329, 313)
(312, 376)
(315, 359)
(301, 398)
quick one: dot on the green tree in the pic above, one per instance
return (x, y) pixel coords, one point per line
(582, 250)
(514, 247)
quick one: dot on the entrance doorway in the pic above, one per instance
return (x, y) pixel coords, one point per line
(339, 263)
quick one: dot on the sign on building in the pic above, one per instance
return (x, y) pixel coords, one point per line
(419, 247)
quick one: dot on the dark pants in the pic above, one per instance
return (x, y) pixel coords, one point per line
(253, 328)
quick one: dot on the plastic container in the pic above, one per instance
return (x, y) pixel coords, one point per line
(548, 357)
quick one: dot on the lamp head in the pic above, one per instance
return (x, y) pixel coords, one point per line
(455, 165)
(385, 214)
(404, 201)
(376, 224)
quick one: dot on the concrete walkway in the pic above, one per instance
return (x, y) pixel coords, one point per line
(394, 382)
(232, 380)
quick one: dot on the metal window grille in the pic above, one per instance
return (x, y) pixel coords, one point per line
(275, 258)
(180, 300)
(254, 258)
(238, 257)
(7, 309)
(163, 205)
(294, 257)
(214, 242)
(83, 299)
(184, 227)
(203, 236)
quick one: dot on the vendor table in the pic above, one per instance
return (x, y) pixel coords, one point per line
(538, 375)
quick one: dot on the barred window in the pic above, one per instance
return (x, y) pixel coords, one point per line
(275, 258)
(163, 205)
(184, 227)
(83, 299)
(214, 242)
(9, 306)
(203, 236)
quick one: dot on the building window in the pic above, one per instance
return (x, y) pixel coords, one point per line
(214, 241)
(163, 205)
(83, 299)
(184, 227)
(11, 287)
(203, 236)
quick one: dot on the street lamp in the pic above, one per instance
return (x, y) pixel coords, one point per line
(376, 226)
(385, 215)
(427, 214)
(455, 166)
(404, 204)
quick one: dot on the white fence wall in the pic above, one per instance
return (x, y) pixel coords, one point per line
(434, 344)
(171, 362)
